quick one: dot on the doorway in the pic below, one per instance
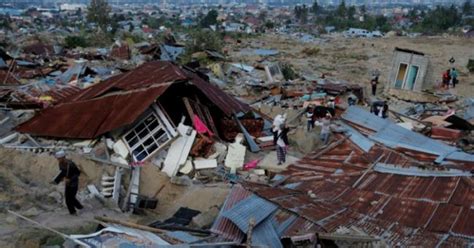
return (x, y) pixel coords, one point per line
(401, 75)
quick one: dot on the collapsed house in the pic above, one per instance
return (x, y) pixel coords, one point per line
(377, 184)
(147, 114)
(146, 103)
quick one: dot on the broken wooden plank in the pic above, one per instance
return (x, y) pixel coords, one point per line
(179, 150)
(48, 228)
(367, 171)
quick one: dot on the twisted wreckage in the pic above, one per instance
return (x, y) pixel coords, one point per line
(376, 184)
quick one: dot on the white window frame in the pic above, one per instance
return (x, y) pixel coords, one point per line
(163, 124)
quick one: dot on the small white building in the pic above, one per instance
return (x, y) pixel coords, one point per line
(72, 7)
(358, 32)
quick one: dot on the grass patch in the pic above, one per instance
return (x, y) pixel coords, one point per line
(311, 51)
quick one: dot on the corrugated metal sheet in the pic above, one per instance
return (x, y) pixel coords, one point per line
(151, 73)
(118, 101)
(265, 234)
(251, 207)
(91, 118)
(223, 226)
(225, 102)
(394, 136)
(402, 205)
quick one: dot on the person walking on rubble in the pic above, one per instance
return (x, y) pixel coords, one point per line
(454, 77)
(374, 81)
(281, 142)
(309, 118)
(446, 79)
(70, 174)
(325, 125)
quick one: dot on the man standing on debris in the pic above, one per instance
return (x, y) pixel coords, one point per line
(70, 173)
(454, 76)
(325, 125)
(281, 142)
(374, 81)
(309, 118)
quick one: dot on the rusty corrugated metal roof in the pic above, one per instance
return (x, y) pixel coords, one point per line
(118, 101)
(151, 73)
(403, 209)
(91, 118)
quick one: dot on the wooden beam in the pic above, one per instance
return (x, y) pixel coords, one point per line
(48, 228)
(330, 147)
(367, 170)
(129, 224)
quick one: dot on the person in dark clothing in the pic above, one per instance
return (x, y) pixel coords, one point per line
(385, 110)
(373, 83)
(70, 174)
(280, 140)
(454, 76)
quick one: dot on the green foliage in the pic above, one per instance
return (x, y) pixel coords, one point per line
(440, 19)
(98, 12)
(301, 13)
(269, 25)
(313, 51)
(467, 8)
(288, 72)
(315, 8)
(132, 38)
(154, 23)
(470, 65)
(341, 10)
(75, 41)
(201, 40)
(209, 19)
(100, 39)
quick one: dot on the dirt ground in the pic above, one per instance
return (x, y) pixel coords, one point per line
(25, 189)
(353, 59)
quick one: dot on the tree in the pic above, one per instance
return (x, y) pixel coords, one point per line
(315, 9)
(98, 12)
(201, 40)
(341, 10)
(210, 19)
(467, 8)
(440, 19)
(363, 10)
(75, 41)
(351, 13)
(262, 16)
(301, 13)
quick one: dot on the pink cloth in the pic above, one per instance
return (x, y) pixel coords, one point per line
(252, 164)
(201, 127)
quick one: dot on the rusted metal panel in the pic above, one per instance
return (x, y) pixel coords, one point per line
(464, 225)
(223, 226)
(444, 218)
(144, 76)
(442, 189)
(226, 103)
(407, 212)
(91, 118)
(464, 194)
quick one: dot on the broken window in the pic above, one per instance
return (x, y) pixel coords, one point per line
(147, 136)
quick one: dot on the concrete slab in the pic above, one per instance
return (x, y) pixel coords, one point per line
(270, 162)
